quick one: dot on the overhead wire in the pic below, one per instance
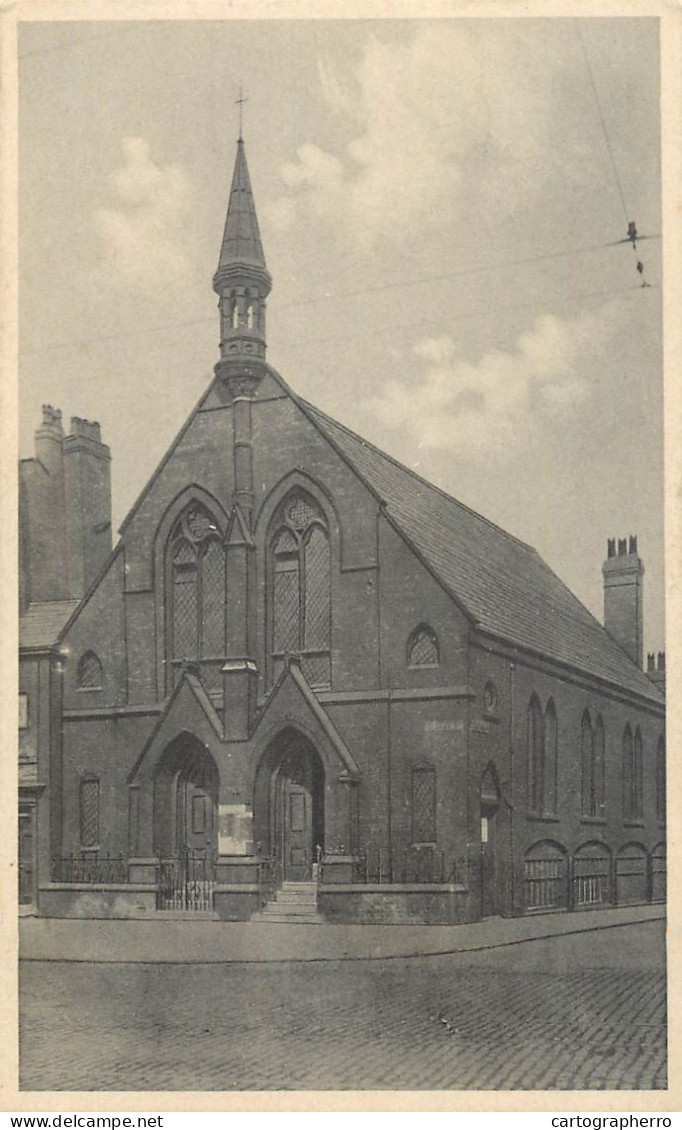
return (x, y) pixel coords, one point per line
(602, 119)
(328, 297)
(420, 324)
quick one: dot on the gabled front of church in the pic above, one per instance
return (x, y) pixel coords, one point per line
(305, 670)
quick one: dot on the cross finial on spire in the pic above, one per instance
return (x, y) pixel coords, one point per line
(240, 102)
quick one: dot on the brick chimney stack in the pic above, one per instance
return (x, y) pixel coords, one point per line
(87, 489)
(64, 510)
(655, 669)
(623, 573)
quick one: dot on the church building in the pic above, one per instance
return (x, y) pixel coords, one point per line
(308, 682)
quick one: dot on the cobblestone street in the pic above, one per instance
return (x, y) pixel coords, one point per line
(570, 1013)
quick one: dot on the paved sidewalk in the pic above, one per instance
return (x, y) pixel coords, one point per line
(208, 942)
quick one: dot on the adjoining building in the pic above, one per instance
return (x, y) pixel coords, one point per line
(304, 664)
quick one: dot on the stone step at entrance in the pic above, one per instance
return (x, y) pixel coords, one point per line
(294, 903)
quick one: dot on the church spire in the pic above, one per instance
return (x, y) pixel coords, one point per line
(242, 280)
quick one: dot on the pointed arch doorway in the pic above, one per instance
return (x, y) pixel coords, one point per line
(185, 805)
(289, 805)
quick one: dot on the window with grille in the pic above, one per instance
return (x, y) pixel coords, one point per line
(89, 676)
(196, 573)
(89, 812)
(423, 804)
(422, 648)
(300, 566)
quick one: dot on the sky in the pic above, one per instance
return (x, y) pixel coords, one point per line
(436, 200)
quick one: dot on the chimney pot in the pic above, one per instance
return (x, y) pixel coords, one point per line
(650, 662)
(622, 547)
(611, 547)
(633, 543)
(661, 661)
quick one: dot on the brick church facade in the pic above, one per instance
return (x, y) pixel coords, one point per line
(302, 663)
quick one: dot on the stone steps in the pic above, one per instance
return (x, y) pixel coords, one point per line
(294, 902)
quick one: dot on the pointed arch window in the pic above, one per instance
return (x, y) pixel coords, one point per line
(196, 571)
(549, 775)
(542, 750)
(535, 756)
(300, 586)
(422, 648)
(89, 674)
(593, 745)
(632, 774)
(660, 780)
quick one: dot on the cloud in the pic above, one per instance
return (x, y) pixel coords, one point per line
(145, 234)
(433, 121)
(499, 403)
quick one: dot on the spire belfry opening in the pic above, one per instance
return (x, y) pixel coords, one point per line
(242, 280)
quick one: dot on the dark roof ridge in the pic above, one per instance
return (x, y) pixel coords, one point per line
(419, 478)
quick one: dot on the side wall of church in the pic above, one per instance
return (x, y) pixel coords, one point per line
(569, 826)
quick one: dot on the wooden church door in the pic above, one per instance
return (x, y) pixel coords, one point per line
(296, 817)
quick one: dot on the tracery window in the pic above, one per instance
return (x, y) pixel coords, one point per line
(300, 585)
(89, 673)
(197, 591)
(422, 648)
(423, 804)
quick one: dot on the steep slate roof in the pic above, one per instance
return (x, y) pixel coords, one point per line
(43, 621)
(241, 240)
(502, 583)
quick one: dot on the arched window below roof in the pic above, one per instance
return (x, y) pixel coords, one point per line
(89, 672)
(422, 648)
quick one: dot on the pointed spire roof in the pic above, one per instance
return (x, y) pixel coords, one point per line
(241, 239)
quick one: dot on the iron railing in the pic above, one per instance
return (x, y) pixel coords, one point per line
(90, 868)
(185, 883)
(413, 866)
(266, 878)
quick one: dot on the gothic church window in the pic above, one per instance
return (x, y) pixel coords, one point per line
(89, 674)
(300, 564)
(88, 803)
(542, 752)
(549, 774)
(660, 781)
(422, 648)
(423, 804)
(196, 560)
(632, 774)
(593, 743)
(535, 755)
